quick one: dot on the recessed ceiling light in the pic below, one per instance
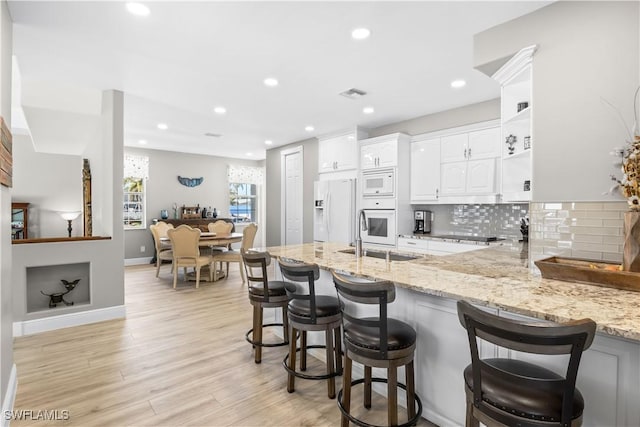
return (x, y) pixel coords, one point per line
(163, 126)
(360, 33)
(219, 110)
(142, 141)
(249, 154)
(368, 110)
(268, 142)
(458, 84)
(271, 82)
(138, 9)
(309, 128)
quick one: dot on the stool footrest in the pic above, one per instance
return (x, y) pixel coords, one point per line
(411, 422)
(277, 344)
(307, 376)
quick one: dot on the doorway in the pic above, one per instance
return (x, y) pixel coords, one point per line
(291, 196)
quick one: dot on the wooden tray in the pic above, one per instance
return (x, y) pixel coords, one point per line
(588, 271)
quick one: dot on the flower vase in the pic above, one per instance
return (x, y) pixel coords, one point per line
(631, 253)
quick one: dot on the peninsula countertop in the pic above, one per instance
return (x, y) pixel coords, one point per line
(495, 276)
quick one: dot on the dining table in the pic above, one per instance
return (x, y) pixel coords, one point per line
(211, 239)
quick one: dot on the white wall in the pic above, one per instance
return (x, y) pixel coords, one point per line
(50, 183)
(105, 256)
(6, 284)
(163, 190)
(586, 51)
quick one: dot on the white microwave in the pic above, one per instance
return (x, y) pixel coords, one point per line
(378, 183)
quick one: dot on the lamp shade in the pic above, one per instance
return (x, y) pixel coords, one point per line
(70, 216)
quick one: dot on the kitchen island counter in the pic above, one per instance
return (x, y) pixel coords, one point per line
(498, 278)
(495, 276)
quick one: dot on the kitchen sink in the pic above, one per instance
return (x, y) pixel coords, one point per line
(381, 254)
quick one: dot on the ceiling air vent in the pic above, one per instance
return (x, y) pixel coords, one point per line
(353, 93)
(212, 135)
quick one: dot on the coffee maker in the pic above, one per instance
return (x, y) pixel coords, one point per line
(422, 222)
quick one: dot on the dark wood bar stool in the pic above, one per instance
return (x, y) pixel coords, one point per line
(504, 391)
(379, 342)
(264, 293)
(310, 312)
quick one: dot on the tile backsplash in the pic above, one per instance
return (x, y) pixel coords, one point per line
(502, 221)
(592, 230)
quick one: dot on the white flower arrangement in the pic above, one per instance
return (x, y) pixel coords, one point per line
(629, 161)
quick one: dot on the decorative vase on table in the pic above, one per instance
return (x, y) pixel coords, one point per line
(631, 253)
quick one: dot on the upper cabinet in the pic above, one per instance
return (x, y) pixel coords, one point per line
(475, 145)
(339, 151)
(382, 151)
(425, 170)
(459, 165)
(516, 114)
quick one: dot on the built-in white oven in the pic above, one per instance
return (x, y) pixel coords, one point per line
(378, 183)
(381, 227)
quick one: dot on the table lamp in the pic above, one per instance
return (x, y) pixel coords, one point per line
(69, 216)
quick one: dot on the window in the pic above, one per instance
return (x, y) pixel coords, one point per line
(242, 202)
(244, 192)
(134, 186)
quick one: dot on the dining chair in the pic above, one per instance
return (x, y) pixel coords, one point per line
(186, 252)
(163, 249)
(220, 227)
(232, 255)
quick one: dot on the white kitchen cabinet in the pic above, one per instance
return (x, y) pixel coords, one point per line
(339, 152)
(382, 151)
(474, 177)
(516, 113)
(475, 145)
(454, 147)
(425, 170)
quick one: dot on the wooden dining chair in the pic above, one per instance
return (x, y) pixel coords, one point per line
(232, 255)
(186, 252)
(163, 249)
(220, 227)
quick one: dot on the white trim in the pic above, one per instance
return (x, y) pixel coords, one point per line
(28, 327)
(283, 178)
(10, 397)
(138, 261)
(514, 65)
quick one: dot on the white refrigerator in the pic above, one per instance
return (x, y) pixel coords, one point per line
(334, 211)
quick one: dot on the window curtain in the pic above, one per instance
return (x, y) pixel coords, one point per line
(246, 174)
(136, 166)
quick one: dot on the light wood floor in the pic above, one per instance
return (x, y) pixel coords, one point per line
(179, 358)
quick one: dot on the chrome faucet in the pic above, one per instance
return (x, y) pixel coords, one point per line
(362, 226)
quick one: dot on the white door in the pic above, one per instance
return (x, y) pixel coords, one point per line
(425, 170)
(368, 156)
(453, 178)
(291, 196)
(484, 144)
(340, 212)
(388, 153)
(453, 147)
(481, 176)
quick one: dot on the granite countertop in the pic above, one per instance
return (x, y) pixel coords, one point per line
(495, 276)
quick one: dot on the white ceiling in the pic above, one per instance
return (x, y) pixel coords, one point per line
(186, 58)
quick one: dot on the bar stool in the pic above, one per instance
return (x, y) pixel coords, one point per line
(264, 293)
(379, 342)
(504, 391)
(310, 312)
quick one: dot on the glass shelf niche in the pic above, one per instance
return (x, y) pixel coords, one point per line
(48, 279)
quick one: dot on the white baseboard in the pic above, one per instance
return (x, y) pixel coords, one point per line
(137, 261)
(10, 397)
(51, 323)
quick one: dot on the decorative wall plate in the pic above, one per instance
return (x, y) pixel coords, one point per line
(190, 182)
